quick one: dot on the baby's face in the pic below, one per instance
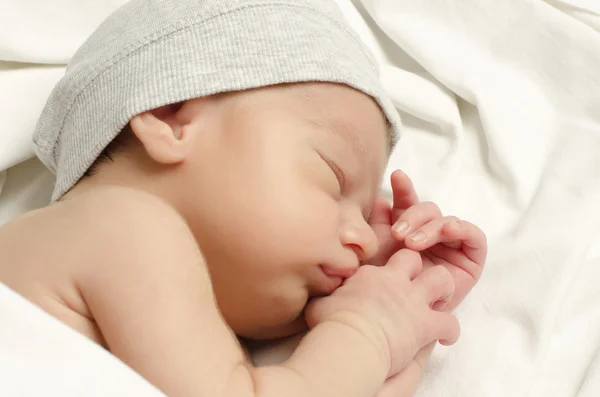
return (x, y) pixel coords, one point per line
(279, 197)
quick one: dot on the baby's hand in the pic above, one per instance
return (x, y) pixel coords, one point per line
(391, 306)
(457, 245)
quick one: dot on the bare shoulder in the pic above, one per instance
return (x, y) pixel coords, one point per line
(128, 207)
(150, 294)
(102, 221)
(109, 247)
(140, 251)
(123, 222)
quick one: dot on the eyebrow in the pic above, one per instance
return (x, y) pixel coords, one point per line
(342, 130)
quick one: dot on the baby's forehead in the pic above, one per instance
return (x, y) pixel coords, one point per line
(347, 133)
(351, 115)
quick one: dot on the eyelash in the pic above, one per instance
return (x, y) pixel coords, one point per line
(336, 171)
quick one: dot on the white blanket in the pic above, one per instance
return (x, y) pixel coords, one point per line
(501, 103)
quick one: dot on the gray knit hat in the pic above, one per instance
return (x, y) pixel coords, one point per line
(151, 53)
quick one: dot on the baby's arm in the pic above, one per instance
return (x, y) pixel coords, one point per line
(150, 293)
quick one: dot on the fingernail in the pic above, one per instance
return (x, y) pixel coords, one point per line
(451, 227)
(401, 227)
(418, 237)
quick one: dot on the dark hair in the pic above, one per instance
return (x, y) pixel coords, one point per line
(121, 142)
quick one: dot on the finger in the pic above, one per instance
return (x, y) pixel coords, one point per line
(461, 263)
(432, 233)
(446, 326)
(415, 217)
(408, 262)
(435, 284)
(474, 241)
(381, 212)
(403, 191)
(453, 233)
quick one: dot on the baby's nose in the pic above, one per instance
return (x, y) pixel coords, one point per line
(361, 239)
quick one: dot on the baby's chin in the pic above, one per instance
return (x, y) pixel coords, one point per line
(296, 326)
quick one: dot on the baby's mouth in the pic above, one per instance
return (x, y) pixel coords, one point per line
(329, 283)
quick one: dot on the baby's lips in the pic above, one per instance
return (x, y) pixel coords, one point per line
(339, 271)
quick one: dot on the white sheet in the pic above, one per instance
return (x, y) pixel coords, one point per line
(28, 186)
(501, 100)
(23, 92)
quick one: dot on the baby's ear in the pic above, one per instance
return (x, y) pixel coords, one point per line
(162, 134)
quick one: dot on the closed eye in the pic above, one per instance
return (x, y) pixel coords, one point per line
(336, 171)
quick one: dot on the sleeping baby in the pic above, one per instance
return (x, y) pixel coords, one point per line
(218, 166)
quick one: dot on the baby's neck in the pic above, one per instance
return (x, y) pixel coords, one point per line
(123, 171)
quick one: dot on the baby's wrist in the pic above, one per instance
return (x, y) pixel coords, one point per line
(335, 355)
(363, 336)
